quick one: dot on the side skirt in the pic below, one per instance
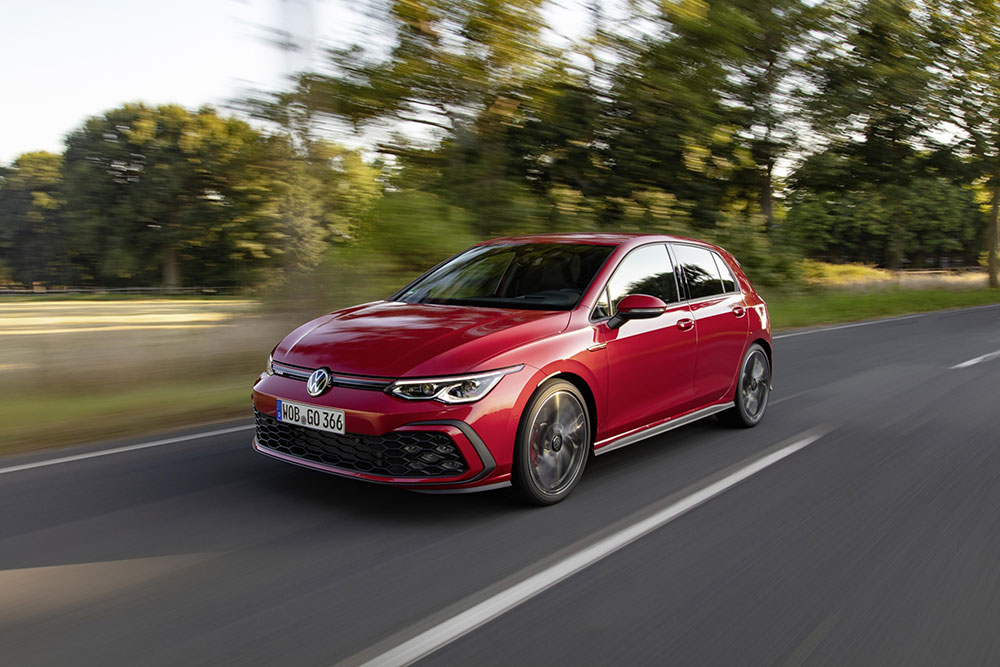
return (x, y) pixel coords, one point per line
(650, 431)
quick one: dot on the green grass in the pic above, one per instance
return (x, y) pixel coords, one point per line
(801, 310)
(38, 420)
(35, 421)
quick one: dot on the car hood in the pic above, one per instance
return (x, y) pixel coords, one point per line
(393, 339)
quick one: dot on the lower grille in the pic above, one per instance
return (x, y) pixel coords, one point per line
(396, 454)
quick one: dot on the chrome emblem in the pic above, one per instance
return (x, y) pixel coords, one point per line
(318, 382)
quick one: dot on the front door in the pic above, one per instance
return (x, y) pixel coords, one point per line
(650, 362)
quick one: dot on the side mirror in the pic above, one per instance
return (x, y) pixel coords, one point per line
(637, 307)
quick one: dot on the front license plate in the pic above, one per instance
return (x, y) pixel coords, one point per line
(311, 416)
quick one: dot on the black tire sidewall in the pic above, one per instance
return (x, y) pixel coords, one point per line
(521, 479)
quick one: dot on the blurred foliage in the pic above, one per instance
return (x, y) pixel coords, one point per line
(32, 232)
(164, 189)
(884, 223)
(824, 274)
(148, 195)
(660, 116)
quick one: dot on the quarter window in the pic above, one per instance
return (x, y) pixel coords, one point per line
(646, 270)
(700, 272)
(728, 280)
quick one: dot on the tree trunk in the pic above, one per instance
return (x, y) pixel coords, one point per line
(171, 269)
(770, 86)
(766, 205)
(992, 245)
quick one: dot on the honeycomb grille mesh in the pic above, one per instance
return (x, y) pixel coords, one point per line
(396, 454)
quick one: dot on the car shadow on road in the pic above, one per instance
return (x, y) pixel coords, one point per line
(317, 491)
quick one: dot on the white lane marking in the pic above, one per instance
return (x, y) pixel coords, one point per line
(439, 635)
(881, 321)
(978, 360)
(788, 398)
(127, 448)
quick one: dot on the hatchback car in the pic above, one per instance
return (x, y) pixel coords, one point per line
(516, 360)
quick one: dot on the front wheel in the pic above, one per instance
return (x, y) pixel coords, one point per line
(553, 444)
(752, 390)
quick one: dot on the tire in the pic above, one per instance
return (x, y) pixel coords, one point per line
(554, 441)
(753, 388)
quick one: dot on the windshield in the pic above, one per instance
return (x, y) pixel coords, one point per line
(537, 276)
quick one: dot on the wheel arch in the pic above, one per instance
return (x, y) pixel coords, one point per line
(766, 344)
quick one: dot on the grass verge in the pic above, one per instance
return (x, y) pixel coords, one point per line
(789, 311)
(34, 421)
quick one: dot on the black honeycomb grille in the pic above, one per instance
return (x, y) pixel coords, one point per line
(396, 454)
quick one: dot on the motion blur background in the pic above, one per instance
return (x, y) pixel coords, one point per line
(216, 172)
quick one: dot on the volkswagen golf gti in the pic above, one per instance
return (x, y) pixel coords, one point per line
(515, 361)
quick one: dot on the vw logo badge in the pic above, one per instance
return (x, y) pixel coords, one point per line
(318, 382)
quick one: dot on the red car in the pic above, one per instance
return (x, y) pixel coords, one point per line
(514, 360)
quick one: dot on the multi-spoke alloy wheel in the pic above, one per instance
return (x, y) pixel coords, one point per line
(553, 444)
(752, 390)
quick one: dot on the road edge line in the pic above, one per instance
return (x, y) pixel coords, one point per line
(119, 450)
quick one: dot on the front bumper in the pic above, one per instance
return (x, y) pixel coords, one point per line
(378, 426)
(421, 453)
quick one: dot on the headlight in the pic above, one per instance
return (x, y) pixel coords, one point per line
(269, 368)
(457, 389)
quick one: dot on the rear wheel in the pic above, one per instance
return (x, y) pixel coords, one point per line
(553, 444)
(752, 390)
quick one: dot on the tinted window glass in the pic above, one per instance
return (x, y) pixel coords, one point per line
(541, 276)
(700, 271)
(646, 270)
(728, 279)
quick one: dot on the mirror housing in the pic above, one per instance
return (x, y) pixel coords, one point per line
(637, 307)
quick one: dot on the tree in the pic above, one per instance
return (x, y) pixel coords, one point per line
(701, 104)
(834, 216)
(32, 233)
(872, 81)
(442, 101)
(668, 127)
(770, 41)
(966, 34)
(187, 193)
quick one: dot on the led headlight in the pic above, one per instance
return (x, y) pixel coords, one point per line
(269, 368)
(457, 389)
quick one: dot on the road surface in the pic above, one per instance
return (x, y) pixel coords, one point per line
(875, 539)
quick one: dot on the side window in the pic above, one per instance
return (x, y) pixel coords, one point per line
(700, 271)
(728, 279)
(646, 270)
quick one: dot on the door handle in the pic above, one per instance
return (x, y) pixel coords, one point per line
(739, 311)
(685, 324)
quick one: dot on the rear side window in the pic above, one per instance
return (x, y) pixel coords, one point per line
(699, 270)
(646, 270)
(728, 279)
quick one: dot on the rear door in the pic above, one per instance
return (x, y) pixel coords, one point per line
(719, 311)
(650, 362)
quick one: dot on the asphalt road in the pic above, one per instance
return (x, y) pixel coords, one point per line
(878, 543)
